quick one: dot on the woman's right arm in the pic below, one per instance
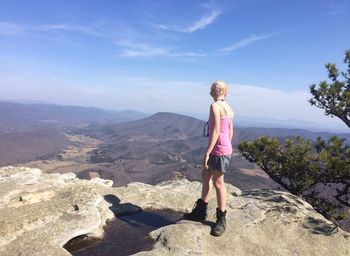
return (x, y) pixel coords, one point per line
(215, 113)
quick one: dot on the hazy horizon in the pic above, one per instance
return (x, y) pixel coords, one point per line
(240, 121)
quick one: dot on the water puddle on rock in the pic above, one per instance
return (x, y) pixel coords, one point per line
(124, 236)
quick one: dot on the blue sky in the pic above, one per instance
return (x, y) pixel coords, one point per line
(153, 55)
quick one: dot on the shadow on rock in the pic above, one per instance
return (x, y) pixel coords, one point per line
(152, 219)
(318, 226)
(121, 209)
(206, 222)
(136, 217)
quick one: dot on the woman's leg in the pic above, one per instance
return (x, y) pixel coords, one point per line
(199, 211)
(218, 180)
(206, 188)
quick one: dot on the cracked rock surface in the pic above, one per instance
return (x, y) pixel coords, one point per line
(39, 213)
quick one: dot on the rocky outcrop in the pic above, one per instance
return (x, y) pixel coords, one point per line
(40, 212)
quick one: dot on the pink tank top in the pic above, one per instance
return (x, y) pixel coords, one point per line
(223, 145)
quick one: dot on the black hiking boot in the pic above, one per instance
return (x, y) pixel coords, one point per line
(219, 227)
(198, 213)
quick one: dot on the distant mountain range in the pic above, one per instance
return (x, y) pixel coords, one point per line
(31, 131)
(165, 125)
(23, 114)
(24, 117)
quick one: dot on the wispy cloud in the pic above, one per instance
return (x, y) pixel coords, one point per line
(199, 24)
(64, 27)
(135, 49)
(244, 42)
(10, 28)
(91, 30)
(335, 9)
(15, 28)
(132, 49)
(131, 43)
(157, 52)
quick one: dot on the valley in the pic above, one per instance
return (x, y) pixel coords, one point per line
(135, 151)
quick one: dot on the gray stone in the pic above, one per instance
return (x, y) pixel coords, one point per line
(39, 213)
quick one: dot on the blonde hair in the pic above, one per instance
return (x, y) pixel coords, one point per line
(218, 88)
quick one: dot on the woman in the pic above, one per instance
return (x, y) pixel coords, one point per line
(216, 158)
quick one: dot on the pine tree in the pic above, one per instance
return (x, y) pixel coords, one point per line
(334, 97)
(306, 168)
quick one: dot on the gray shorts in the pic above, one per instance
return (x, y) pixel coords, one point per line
(218, 163)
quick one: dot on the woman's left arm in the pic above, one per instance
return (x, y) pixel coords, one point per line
(231, 130)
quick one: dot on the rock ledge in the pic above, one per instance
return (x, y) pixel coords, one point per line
(39, 213)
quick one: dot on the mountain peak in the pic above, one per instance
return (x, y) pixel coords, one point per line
(169, 115)
(161, 125)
